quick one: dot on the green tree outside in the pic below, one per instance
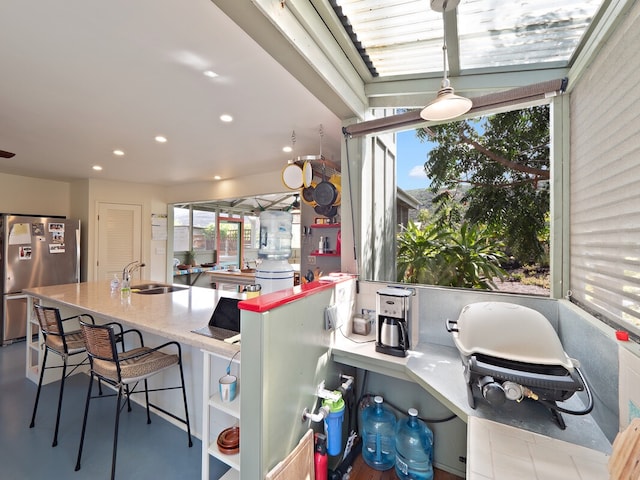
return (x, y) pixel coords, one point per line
(495, 171)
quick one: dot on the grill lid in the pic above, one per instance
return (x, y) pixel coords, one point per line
(509, 331)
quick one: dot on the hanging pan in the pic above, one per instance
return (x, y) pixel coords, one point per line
(325, 192)
(307, 194)
(329, 211)
(336, 182)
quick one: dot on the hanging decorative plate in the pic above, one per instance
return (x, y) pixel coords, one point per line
(292, 176)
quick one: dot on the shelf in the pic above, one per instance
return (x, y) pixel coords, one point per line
(231, 474)
(230, 408)
(212, 425)
(316, 254)
(232, 460)
(325, 225)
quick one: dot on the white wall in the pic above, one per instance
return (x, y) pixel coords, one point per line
(251, 184)
(33, 196)
(151, 200)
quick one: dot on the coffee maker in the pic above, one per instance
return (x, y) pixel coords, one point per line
(393, 312)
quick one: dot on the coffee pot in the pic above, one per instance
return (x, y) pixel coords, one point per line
(393, 332)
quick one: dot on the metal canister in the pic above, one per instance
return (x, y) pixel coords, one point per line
(252, 290)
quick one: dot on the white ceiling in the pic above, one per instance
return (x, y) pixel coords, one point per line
(80, 78)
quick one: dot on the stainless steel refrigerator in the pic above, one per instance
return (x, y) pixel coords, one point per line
(34, 252)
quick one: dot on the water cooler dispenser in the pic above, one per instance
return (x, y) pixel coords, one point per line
(274, 271)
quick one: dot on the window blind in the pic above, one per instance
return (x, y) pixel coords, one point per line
(605, 183)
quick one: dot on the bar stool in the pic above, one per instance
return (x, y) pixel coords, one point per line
(64, 344)
(124, 370)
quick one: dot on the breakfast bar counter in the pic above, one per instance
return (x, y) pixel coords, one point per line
(170, 315)
(160, 317)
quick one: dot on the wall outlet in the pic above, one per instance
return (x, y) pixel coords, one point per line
(330, 317)
(311, 260)
(368, 313)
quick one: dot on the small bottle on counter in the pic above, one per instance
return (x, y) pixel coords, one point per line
(115, 283)
(125, 288)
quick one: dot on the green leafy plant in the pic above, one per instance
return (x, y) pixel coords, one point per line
(439, 255)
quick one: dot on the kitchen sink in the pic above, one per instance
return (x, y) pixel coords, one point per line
(155, 288)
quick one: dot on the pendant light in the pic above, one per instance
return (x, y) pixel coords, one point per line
(446, 105)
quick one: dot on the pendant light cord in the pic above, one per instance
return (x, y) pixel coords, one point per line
(445, 80)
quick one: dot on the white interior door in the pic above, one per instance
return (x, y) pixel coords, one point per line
(119, 238)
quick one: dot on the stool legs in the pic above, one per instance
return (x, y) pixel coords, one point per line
(84, 423)
(186, 410)
(64, 376)
(35, 405)
(115, 435)
(60, 395)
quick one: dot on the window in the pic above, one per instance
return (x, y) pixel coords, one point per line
(488, 213)
(193, 229)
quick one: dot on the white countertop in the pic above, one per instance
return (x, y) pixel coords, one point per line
(438, 369)
(171, 315)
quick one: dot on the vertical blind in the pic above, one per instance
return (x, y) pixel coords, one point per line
(605, 182)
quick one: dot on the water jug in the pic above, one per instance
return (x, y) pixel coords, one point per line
(414, 448)
(378, 435)
(275, 235)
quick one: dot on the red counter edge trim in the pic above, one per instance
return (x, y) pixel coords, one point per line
(269, 301)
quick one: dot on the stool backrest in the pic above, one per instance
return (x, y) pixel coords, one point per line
(49, 320)
(100, 342)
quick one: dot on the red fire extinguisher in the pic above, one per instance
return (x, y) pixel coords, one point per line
(320, 458)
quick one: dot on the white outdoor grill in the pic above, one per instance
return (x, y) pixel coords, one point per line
(511, 352)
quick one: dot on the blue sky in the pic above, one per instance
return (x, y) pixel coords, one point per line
(412, 153)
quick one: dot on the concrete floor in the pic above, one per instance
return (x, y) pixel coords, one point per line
(155, 451)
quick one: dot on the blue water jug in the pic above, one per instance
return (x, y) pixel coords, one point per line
(378, 435)
(414, 448)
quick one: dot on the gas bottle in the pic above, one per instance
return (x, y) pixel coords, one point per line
(378, 434)
(414, 448)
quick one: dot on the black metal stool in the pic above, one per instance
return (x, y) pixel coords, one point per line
(125, 368)
(65, 344)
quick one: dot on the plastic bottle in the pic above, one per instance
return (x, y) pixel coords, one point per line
(125, 288)
(414, 448)
(320, 458)
(378, 434)
(115, 283)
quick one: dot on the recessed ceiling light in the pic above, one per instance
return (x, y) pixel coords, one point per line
(217, 177)
(226, 118)
(161, 139)
(97, 168)
(210, 74)
(119, 153)
(287, 149)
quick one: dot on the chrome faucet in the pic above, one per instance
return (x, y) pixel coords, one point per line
(130, 268)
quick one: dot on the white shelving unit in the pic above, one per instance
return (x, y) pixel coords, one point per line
(217, 414)
(34, 344)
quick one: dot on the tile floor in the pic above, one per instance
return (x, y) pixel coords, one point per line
(156, 451)
(501, 452)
